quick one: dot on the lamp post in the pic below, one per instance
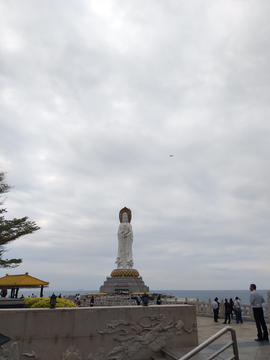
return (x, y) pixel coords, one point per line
(53, 301)
(145, 299)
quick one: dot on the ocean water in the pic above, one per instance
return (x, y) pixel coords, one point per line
(203, 295)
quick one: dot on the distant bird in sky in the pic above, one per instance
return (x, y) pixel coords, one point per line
(171, 155)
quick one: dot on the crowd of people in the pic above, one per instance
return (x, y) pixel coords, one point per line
(77, 300)
(233, 307)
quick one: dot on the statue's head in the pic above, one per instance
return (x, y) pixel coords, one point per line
(125, 218)
(125, 215)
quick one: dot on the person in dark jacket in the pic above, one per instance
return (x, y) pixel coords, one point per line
(232, 307)
(228, 311)
(158, 300)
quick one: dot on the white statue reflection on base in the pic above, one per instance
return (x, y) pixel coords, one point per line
(124, 258)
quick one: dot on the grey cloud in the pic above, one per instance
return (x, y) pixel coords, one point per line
(95, 98)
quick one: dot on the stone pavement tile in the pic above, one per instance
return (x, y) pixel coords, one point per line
(263, 353)
(248, 349)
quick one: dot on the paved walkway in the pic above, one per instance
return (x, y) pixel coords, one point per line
(245, 333)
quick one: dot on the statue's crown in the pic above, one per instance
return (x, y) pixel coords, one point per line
(125, 210)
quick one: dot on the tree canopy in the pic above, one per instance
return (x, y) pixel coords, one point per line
(11, 230)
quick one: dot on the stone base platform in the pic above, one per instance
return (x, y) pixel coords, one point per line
(123, 284)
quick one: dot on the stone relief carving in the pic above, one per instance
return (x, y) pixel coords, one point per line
(111, 327)
(117, 357)
(72, 354)
(100, 355)
(31, 355)
(150, 332)
(12, 353)
(5, 353)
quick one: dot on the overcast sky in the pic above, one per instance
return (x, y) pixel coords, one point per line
(95, 96)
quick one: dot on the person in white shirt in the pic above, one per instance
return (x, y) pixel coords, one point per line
(238, 310)
(256, 300)
(214, 306)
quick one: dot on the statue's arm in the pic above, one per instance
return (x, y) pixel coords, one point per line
(119, 229)
(131, 232)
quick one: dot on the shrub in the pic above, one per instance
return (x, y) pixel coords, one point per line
(29, 301)
(45, 303)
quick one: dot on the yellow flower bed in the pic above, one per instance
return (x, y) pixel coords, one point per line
(45, 303)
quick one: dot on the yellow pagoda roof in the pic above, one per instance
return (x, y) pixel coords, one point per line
(23, 280)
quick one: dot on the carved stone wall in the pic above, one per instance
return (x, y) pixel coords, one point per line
(98, 333)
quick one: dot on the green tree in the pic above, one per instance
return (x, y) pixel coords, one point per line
(11, 230)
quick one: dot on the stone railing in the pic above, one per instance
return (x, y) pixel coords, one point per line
(205, 309)
(106, 301)
(202, 308)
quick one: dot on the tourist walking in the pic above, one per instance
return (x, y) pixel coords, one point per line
(158, 300)
(92, 301)
(138, 300)
(238, 310)
(214, 306)
(256, 300)
(228, 311)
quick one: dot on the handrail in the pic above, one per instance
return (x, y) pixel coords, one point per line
(213, 338)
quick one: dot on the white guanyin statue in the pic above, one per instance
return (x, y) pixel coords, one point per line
(124, 258)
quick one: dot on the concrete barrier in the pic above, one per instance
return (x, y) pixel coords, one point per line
(98, 333)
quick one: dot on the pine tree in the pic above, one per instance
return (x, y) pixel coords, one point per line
(11, 230)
